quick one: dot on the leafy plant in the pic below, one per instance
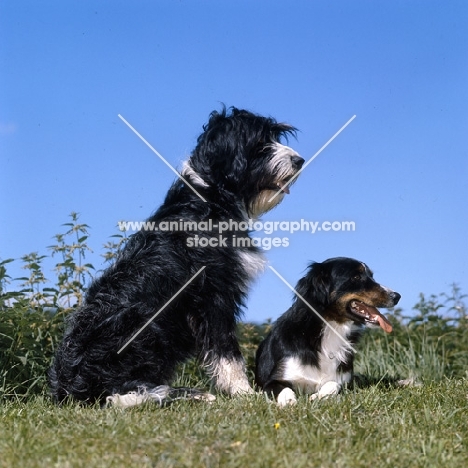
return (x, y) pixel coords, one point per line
(114, 247)
(72, 272)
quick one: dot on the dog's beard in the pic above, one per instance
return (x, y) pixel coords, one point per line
(283, 170)
(263, 202)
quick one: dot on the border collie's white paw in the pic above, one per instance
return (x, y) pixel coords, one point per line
(328, 389)
(286, 397)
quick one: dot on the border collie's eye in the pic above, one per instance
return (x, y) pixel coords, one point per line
(357, 278)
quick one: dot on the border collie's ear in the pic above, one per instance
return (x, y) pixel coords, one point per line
(314, 287)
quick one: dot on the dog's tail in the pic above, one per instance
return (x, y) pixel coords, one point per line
(163, 395)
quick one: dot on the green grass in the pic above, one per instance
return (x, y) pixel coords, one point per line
(424, 426)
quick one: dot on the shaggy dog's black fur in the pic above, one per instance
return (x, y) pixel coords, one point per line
(310, 347)
(237, 165)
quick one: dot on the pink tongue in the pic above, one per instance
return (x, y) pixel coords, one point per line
(381, 319)
(285, 189)
(384, 323)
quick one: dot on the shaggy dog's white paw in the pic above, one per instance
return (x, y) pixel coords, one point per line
(127, 400)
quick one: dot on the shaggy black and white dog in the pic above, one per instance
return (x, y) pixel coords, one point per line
(311, 346)
(114, 349)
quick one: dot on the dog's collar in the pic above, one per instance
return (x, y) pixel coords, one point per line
(189, 172)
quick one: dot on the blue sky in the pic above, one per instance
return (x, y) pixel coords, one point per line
(399, 170)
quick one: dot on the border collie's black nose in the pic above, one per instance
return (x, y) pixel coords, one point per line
(396, 297)
(297, 162)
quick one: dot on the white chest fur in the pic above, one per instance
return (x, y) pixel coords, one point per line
(335, 347)
(254, 263)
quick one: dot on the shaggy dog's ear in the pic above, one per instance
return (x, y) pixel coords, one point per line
(219, 155)
(315, 286)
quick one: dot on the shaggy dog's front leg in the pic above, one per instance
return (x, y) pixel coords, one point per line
(229, 374)
(224, 362)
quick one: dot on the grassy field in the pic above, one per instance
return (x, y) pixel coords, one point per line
(422, 426)
(375, 423)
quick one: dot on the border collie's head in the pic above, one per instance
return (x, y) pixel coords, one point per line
(344, 289)
(240, 153)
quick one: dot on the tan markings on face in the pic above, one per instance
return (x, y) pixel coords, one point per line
(377, 297)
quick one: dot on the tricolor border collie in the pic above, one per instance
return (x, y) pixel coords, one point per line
(311, 346)
(144, 315)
